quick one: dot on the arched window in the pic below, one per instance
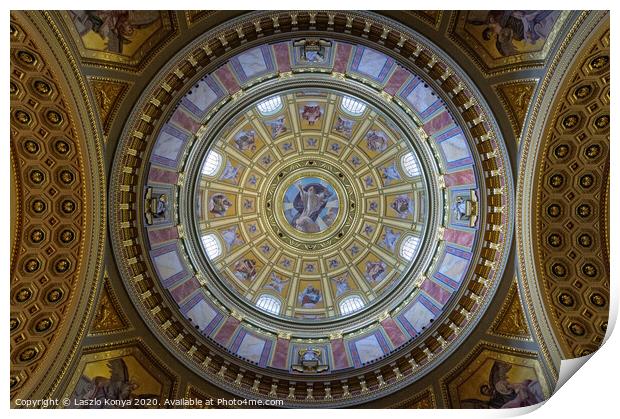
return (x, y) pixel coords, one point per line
(409, 246)
(353, 106)
(212, 163)
(410, 165)
(211, 245)
(351, 304)
(269, 303)
(270, 106)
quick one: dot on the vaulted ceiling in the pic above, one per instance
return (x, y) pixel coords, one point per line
(325, 208)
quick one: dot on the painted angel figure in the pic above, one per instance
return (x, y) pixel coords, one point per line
(342, 284)
(309, 203)
(311, 113)
(277, 283)
(516, 25)
(503, 393)
(116, 387)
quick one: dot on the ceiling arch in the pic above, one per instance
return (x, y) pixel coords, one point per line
(207, 124)
(245, 74)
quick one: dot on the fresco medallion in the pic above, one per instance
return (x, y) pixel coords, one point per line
(311, 205)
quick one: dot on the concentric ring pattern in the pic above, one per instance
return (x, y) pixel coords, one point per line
(314, 207)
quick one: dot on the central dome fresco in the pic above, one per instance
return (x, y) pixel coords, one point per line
(313, 216)
(311, 204)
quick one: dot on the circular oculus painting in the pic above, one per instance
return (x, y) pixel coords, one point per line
(311, 205)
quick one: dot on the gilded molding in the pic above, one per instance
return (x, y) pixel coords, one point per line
(482, 127)
(549, 86)
(66, 188)
(510, 322)
(109, 317)
(108, 95)
(516, 96)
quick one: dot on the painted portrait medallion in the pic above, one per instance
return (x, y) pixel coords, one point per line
(311, 205)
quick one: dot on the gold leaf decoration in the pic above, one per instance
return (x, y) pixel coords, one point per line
(108, 96)
(108, 317)
(516, 98)
(422, 400)
(511, 322)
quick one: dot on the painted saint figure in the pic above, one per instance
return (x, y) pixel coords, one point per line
(344, 127)
(460, 208)
(246, 141)
(245, 269)
(219, 204)
(376, 141)
(311, 113)
(116, 387)
(504, 394)
(375, 271)
(278, 126)
(116, 27)
(402, 205)
(508, 26)
(309, 203)
(309, 297)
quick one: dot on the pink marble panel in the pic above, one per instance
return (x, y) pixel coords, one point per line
(182, 291)
(181, 118)
(162, 176)
(438, 123)
(399, 77)
(280, 355)
(343, 51)
(283, 59)
(393, 331)
(163, 235)
(226, 331)
(341, 360)
(227, 78)
(463, 238)
(462, 177)
(436, 291)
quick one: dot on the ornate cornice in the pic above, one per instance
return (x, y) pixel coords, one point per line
(56, 272)
(560, 132)
(219, 45)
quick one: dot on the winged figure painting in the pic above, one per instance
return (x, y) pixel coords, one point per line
(503, 393)
(115, 387)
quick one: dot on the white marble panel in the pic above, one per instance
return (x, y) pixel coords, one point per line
(251, 348)
(368, 348)
(419, 316)
(168, 146)
(168, 264)
(372, 63)
(202, 314)
(252, 62)
(421, 97)
(453, 266)
(455, 148)
(202, 96)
